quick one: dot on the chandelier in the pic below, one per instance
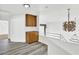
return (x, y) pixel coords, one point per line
(68, 25)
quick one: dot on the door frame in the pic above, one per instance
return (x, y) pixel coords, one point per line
(44, 25)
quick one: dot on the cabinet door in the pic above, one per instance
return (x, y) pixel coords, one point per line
(35, 36)
(32, 37)
(31, 20)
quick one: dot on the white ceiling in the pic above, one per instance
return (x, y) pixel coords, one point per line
(12, 9)
(16, 8)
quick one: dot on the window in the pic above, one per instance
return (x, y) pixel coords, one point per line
(3, 27)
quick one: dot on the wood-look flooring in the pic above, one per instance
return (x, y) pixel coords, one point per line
(19, 48)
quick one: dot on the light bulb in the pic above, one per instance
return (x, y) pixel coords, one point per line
(26, 5)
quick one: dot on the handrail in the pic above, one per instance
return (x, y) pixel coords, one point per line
(60, 35)
(53, 33)
(74, 39)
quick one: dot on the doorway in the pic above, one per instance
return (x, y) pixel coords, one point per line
(42, 29)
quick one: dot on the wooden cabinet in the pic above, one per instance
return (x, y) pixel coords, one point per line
(32, 37)
(31, 20)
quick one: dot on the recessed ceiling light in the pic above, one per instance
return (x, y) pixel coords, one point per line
(26, 5)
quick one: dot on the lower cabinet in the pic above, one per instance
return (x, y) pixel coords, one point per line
(32, 37)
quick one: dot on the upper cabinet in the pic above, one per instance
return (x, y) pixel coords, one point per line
(31, 20)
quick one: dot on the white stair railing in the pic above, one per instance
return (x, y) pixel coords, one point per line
(75, 38)
(56, 36)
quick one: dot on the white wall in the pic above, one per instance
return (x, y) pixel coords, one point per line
(18, 29)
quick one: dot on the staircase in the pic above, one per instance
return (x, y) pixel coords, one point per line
(75, 39)
(56, 36)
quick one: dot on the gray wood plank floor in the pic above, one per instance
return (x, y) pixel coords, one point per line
(19, 48)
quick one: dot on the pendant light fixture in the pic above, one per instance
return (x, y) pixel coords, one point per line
(69, 25)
